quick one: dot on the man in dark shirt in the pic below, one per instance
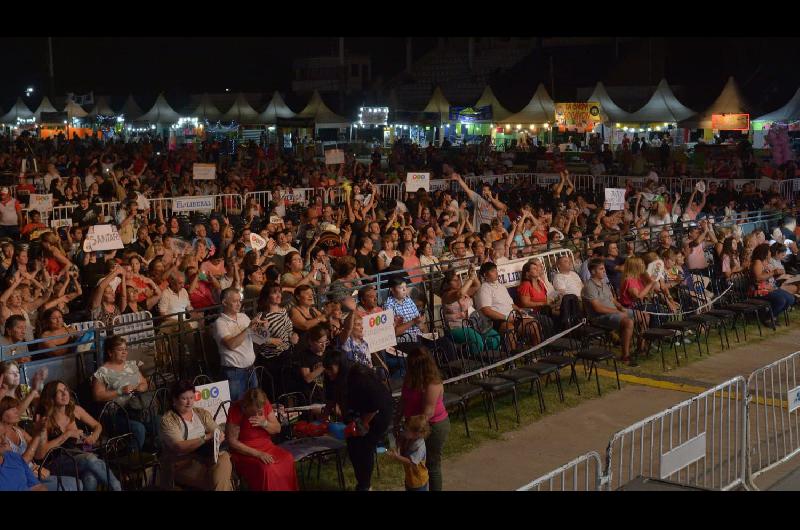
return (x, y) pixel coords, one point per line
(365, 262)
(613, 264)
(85, 215)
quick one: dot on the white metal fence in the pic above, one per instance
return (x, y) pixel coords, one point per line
(774, 424)
(582, 474)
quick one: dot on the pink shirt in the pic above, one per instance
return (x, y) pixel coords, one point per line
(696, 258)
(412, 266)
(625, 297)
(413, 404)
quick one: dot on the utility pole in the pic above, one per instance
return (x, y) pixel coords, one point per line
(343, 75)
(52, 75)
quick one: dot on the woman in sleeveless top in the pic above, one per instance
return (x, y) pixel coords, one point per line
(26, 445)
(61, 415)
(304, 315)
(457, 305)
(105, 303)
(423, 393)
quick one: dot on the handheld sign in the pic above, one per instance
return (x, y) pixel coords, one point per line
(58, 223)
(656, 270)
(415, 181)
(102, 237)
(204, 171)
(333, 157)
(615, 199)
(43, 202)
(379, 330)
(275, 220)
(209, 397)
(700, 186)
(257, 242)
(191, 204)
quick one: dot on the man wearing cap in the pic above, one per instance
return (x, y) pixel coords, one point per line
(10, 214)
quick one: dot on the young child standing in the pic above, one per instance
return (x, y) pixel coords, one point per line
(411, 452)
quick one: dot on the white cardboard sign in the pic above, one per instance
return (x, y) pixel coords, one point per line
(379, 330)
(615, 199)
(333, 157)
(58, 223)
(41, 202)
(415, 181)
(102, 237)
(257, 242)
(204, 171)
(275, 220)
(209, 397)
(191, 204)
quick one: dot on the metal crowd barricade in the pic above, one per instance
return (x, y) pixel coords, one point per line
(160, 207)
(789, 188)
(699, 442)
(391, 191)
(774, 421)
(228, 203)
(585, 473)
(137, 329)
(262, 198)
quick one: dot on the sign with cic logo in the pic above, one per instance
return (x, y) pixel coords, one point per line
(794, 398)
(209, 397)
(379, 330)
(415, 181)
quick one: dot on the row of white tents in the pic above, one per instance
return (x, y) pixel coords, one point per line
(663, 106)
(162, 113)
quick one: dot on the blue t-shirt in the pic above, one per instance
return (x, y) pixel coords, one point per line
(15, 475)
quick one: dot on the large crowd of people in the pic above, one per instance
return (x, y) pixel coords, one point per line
(295, 304)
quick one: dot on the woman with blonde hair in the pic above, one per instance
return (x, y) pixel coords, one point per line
(262, 465)
(635, 284)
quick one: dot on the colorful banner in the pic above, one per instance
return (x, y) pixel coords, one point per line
(730, 122)
(470, 114)
(578, 116)
(41, 202)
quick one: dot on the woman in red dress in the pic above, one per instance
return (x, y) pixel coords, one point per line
(262, 465)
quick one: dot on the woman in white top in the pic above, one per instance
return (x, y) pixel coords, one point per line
(387, 252)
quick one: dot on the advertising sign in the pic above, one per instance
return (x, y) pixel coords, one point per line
(730, 122)
(573, 116)
(209, 397)
(379, 330)
(415, 181)
(191, 204)
(470, 114)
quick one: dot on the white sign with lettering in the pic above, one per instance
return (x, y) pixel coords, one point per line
(209, 397)
(379, 330)
(204, 171)
(615, 199)
(43, 203)
(102, 237)
(191, 204)
(415, 181)
(333, 157)
(58, 223)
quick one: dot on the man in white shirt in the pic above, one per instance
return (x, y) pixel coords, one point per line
(492, 298)
(174, 299)
(566, 280)
(231, 331)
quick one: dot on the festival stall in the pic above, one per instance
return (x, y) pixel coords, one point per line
(279, 130)
(415, 127)
(19, 118)
(160, 118)
(532, 124)
(103, 119)
(474, 123)
(661, 113)
(610, 114)
(729, 115)
(327, 124)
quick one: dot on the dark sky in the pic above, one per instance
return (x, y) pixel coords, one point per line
(765, 67)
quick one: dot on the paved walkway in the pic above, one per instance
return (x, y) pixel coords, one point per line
(546, 444)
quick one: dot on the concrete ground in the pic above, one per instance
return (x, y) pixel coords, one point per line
(536, 449)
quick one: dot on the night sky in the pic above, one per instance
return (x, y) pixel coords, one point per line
(764, 67)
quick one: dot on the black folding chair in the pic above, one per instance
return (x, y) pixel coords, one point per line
(649, 334)
(60, 452)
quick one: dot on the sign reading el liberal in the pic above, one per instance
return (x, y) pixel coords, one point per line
(191, 204)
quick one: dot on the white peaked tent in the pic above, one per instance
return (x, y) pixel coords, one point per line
(324, 117)
(130, 110)
(730, 101)
(540, 109)
(242, 112)
(662, 107)
(44, 106)
(499, 112)
(19, 110)
(610, 111)
(277, 108)
(102, 107)
(789, 112)
(439, 104)
(160, 112)
(206, 110)
(74, 110)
